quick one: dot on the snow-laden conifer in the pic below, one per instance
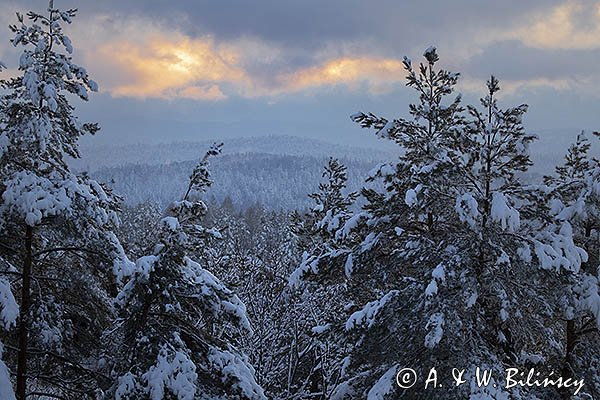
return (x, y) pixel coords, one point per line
(179, 322)
(55, 224)
(316, 230)
(572, 196)
(455, 256)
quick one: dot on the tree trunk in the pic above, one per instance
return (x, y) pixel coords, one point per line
(430, 223)
(570, 332)
(24, 316)
(570, 346)
(570, 341)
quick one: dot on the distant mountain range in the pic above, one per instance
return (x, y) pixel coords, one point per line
(275, 171)
(95, 157)
(275, 181)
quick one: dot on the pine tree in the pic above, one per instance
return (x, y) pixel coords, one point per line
(9, 311)
(323, 254)
(179, 322)
(456, 251)
(511, 250)
(316, 230)
(402, 233)
(574, 197)
(490, 206)
(52, 220)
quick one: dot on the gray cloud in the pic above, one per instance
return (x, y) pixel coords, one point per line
(473, 36)
(310, 23)
(513, 60)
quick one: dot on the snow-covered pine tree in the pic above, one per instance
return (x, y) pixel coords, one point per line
(403, 238)
(509, 252)
(55, 225)
(9, 311)
(316, 230)
(573, 192)
(179, 322)
(453, 250)
(322, 253)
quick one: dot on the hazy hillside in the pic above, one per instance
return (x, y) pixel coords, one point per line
(276, 181)
(99, 156)
(276, 171)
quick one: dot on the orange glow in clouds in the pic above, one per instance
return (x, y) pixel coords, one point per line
(201, 70)
(168, 69)
(347, 71)
(575, 24)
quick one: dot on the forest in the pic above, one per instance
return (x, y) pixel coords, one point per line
(447, 260)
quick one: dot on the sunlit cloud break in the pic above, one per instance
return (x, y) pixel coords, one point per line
(574, 24)
(176, 66)
(141, 59)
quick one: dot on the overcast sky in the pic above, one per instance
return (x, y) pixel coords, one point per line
(190, 69)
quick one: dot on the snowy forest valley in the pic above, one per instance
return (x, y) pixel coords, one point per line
(459, 259)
